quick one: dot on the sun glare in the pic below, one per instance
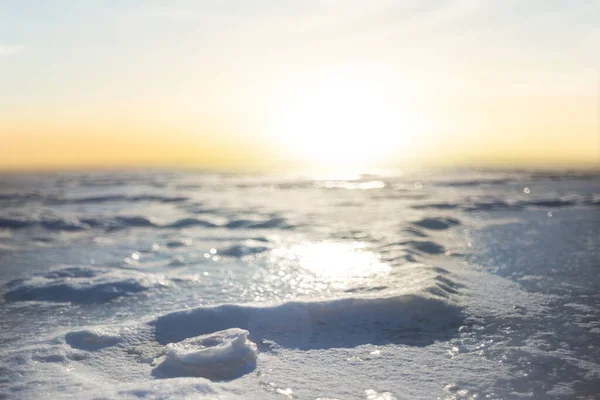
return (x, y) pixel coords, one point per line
(336, 263)
(355, 116)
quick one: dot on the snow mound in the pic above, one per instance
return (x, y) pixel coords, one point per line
(221, 355)
(80, 285)
(342, 323)
(93, 339)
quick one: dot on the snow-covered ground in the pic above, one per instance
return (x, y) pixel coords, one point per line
(420, 285)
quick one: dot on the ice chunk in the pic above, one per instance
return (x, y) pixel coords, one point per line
(221, 355)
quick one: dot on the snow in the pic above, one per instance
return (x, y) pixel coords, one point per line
(184, 285)
(216, 356)
(82, 285)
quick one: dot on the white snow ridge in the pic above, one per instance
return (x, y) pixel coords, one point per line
(217, 356)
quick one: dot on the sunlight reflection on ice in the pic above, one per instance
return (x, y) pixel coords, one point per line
(351, 185)
(333, 261)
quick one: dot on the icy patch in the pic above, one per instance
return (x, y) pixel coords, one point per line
(133, 221)
(473, 182)
(186, 241)
(189, 223)
(425, 246)
(177, 261)
(272, 223)
(78, 285)
(93, 339)
(437, 223)
(110, 198)
(52, 223)
(241, 250)
(415, 232)
(480, 204)
(221, 355)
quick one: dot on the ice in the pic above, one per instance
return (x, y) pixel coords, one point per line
(190, 222)
(425, 246)
(241, 250)
(50, 223)
(278, 222)
(216, 356)
(439, 223)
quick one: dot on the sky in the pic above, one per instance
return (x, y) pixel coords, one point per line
(267, 84)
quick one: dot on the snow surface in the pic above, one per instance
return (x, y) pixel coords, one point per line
(450, 285)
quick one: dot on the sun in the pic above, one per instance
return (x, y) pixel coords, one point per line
(349, 117)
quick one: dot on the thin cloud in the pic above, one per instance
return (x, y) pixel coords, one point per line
(165, 12)
(7, 50)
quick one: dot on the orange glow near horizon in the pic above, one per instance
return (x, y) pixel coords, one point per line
(345, 120)
(320, 128)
